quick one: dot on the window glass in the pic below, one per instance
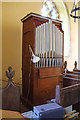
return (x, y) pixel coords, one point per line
(49, 10)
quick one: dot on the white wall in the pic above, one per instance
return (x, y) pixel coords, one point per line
(73, 40)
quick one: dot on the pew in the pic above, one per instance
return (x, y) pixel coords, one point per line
(71, 77)
(10, 94)
(70, 93)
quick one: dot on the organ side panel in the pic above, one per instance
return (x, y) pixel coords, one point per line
(27, 67)
(39, 80)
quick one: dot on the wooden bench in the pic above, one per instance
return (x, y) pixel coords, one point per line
(10, 94)
(71, 77)
(68, 95)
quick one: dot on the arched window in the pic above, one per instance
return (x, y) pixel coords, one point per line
(49, 9)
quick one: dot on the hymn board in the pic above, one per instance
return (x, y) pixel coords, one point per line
(39, 80)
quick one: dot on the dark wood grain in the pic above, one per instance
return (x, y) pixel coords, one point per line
(71, 78)
(10, 94)
(68, 95)
(42, 82)
(50, 72)
(11, 98)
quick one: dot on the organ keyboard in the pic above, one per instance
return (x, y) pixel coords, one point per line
(45, 36)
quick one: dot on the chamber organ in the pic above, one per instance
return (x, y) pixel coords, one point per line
(39, 80)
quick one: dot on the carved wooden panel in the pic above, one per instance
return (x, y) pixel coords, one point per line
(10, 94)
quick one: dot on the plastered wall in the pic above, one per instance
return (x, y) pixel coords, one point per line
(0, 57)
(12, 12)
(0, 42)
(12, 35)
(73, 40)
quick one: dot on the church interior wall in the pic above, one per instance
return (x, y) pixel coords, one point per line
(12, 12)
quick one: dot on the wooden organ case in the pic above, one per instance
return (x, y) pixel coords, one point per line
(39, 80)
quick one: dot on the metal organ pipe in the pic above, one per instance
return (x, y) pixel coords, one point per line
(48, 45)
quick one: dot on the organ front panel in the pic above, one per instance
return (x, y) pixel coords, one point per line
(39, 80)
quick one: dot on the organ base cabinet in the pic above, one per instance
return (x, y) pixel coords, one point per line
(39, 80)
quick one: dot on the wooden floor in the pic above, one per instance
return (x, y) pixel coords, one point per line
(6, 114)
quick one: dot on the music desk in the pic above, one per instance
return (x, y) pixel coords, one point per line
(10, 114)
